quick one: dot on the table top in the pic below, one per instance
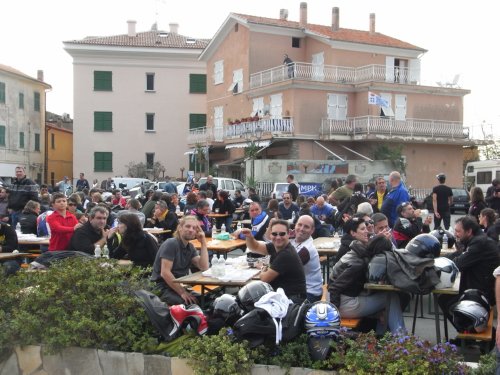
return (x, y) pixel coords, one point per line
(157, 230)
(33, 240)
(219, 245)
(390, 288)
(327, 245)
(215, 215)
(5, 256)
(197, 278)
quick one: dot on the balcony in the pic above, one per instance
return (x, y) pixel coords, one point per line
(334, 74)
(275, 127)
(363, 127)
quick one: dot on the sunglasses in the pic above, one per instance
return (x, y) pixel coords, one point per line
(369, 222)
(71, 204)
(281, 234)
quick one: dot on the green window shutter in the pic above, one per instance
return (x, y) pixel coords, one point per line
(21, 139)
(2, 92)
(37, 101)
(2, 135)
(103, 161)
(103, 121)
(198, 83)
(37, 142)
(21, 100)
(197, 120)
(102, 81)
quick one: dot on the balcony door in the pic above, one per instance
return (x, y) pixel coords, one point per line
(318, 65)
(258, 106)
(276, 106)
(337, 106)
(219, 123)
(400, 113)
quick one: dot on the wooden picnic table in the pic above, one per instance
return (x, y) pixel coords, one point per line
(33, 240)
(217, 215)
(221, 246)
(157, 231)
(8, 256)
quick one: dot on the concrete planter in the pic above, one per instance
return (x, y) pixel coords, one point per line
(29, 360)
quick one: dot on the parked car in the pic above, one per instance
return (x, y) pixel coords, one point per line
(228, 184)
(305, 188)
(461, 201)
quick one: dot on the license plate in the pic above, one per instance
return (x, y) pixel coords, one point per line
(459, 205)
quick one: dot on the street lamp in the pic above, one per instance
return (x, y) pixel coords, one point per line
(253, 138)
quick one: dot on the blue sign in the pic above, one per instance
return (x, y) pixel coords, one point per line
(310, 189)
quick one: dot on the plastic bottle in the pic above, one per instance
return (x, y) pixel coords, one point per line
(18, 227)
(222, 265)
(238, 226)
(213, 265)
(214, 232)
(223, 228)
(105, 251)
(97, 251)
(177, 209)
(445, 242)
(293, 216)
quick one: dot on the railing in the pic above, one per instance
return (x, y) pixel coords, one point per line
(210, 134)
(389, 126)
(335, 74)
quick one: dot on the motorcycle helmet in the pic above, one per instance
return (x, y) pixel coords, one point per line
(322, 320)
(226, 307)
(439, 233)
(191, 316)
(472, 311)
(447, 271)
(424, 246)
(252, 292)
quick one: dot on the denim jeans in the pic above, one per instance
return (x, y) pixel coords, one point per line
(14, 216)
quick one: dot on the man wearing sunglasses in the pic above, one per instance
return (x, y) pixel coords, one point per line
(285, 270)
(409, 224)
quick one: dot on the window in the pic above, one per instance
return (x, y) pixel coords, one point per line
(2, 92)
(21, 100)
(103, 161)
(197, 120)
(2, 135)
(258, 107)
(37, 101)
(37, 142)
(229, 185)
(103, 121)
(218, 123)
(102, 81)
(197, 83)
(296, 42)
(237, 85)
(52, 141)
(21, 139)
(239, 186)
(218, 72)
(484, 177)
(150, 122)
(150, 160)
(150, 82)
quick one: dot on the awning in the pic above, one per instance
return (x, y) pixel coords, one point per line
(245, 144)
(190, 152)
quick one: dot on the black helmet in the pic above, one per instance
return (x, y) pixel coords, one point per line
(471, 312)
(441, 177)
(227, 308)
(252, 292)
(424, 246)
(439, 233)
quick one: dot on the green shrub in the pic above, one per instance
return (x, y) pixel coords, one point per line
(487, 364)
(77, 302)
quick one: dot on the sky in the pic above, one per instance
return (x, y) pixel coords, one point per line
(458, 35)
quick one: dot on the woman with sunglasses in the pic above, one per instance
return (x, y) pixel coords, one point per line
(347, 238)
(346, 284)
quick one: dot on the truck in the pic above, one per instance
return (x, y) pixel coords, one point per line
(481, 173)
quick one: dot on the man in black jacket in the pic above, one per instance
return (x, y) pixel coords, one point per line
(21, 191)
(91, 233)
(409, 225)
(476, 262)
(8, 243)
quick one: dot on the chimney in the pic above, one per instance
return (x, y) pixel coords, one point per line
(283, 14)
(39, 75)
(372, 23)
(174, 28)
(335, 18)
(131, 28)
(303, 15)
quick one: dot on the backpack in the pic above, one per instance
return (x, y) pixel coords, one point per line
(159, 314)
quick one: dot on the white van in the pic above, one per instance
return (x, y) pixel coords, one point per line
(228, 184)
(130, 182)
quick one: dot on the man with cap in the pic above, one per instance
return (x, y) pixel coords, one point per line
(442, 197)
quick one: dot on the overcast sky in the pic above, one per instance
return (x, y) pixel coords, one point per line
(460, 36)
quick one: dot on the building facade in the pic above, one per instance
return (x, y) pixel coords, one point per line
(22, 123)
(341, 95)
(135, 97)
(59, 149)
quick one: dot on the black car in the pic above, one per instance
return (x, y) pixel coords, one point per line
(461, 200)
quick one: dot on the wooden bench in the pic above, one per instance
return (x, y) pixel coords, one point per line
(485, 337)
(323, 261)
(344, 322)
(208, 288)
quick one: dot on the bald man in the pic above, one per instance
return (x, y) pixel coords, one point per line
(397, 195)
(303, 244)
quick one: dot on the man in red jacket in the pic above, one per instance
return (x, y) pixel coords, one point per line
(62, 224)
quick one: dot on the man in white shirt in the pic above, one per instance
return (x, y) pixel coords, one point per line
(303, 243)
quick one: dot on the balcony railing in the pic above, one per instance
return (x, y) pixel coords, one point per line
(367, 125)
(267, 126)
(334, 74)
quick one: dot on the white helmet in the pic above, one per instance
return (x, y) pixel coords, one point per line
(447, 271)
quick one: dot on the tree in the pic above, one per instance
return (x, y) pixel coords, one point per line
(491, 151)
(138, 170)
(394, 154)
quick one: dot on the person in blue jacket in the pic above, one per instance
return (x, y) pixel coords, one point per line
(397, 195)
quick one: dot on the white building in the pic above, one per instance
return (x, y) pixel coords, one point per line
(22, 122)
(135, 98)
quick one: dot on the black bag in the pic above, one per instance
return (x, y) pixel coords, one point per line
(293, 322)
(159, 314)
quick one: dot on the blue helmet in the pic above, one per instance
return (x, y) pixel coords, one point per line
(322, 320)
(424, 246)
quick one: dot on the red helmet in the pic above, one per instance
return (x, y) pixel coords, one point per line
(191, 315)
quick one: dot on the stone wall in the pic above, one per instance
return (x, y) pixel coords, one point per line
(30, 360)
